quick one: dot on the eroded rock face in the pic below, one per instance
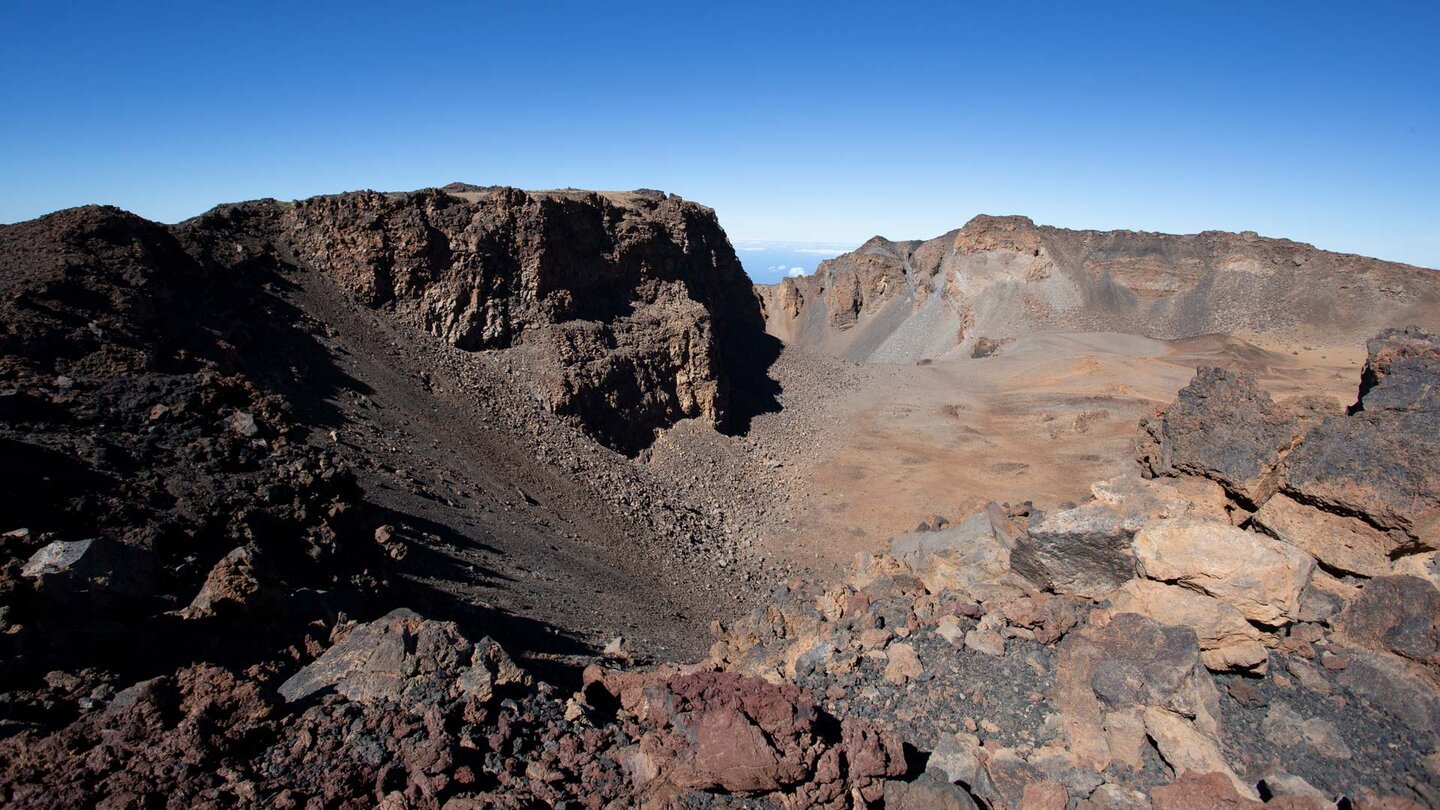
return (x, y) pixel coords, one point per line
(1004, 277)
(634, 302)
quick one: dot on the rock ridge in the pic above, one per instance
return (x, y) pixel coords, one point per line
(1001, 277)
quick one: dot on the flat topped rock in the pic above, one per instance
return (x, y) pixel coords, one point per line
(1086, 550)
(1257, 574)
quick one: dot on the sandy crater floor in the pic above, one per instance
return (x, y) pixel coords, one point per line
(1041, 421)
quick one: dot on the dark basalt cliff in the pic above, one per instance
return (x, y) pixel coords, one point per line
(632, 304)
(999, 278)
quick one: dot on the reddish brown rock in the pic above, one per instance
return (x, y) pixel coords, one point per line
(741, 734)
(236, 586)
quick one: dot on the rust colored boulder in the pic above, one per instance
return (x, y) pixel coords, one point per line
(724, 731)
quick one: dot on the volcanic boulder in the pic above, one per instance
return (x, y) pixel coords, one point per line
(1380, 461)
(741, 734)
(1223, 427)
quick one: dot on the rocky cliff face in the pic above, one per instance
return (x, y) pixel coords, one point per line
(1000, 277)
(632, 305)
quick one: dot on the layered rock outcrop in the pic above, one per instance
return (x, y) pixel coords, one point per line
(998, 278)
(632, 305)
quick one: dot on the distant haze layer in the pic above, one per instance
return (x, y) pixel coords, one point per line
(768, 262)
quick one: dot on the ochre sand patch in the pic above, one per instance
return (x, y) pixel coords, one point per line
(1041, 421)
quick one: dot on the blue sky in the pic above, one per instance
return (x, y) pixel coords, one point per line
(811, 122)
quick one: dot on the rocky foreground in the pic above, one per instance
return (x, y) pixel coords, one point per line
(200, 605)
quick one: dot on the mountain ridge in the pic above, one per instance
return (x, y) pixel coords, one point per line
(999, 277)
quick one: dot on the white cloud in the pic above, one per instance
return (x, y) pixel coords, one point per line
(796, 272)
(813, 248)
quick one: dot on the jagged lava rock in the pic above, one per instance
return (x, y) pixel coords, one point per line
(403, 656)
(239, 584)
(1223, 427)
(1382, 462)
(100, 569)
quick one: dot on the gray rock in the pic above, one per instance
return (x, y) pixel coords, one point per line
(956, 757)
(1397, 687)
(1083, 551)
(929, 791)
(98, 567)
(1086, 550)
(1382, 462)
(1224, 427)
(242, 423)
(914, 547)
(1115, 797)
(1399, 615)
(404, 657)
(1109, 676)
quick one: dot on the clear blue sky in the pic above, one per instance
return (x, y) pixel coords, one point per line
(824, 122)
